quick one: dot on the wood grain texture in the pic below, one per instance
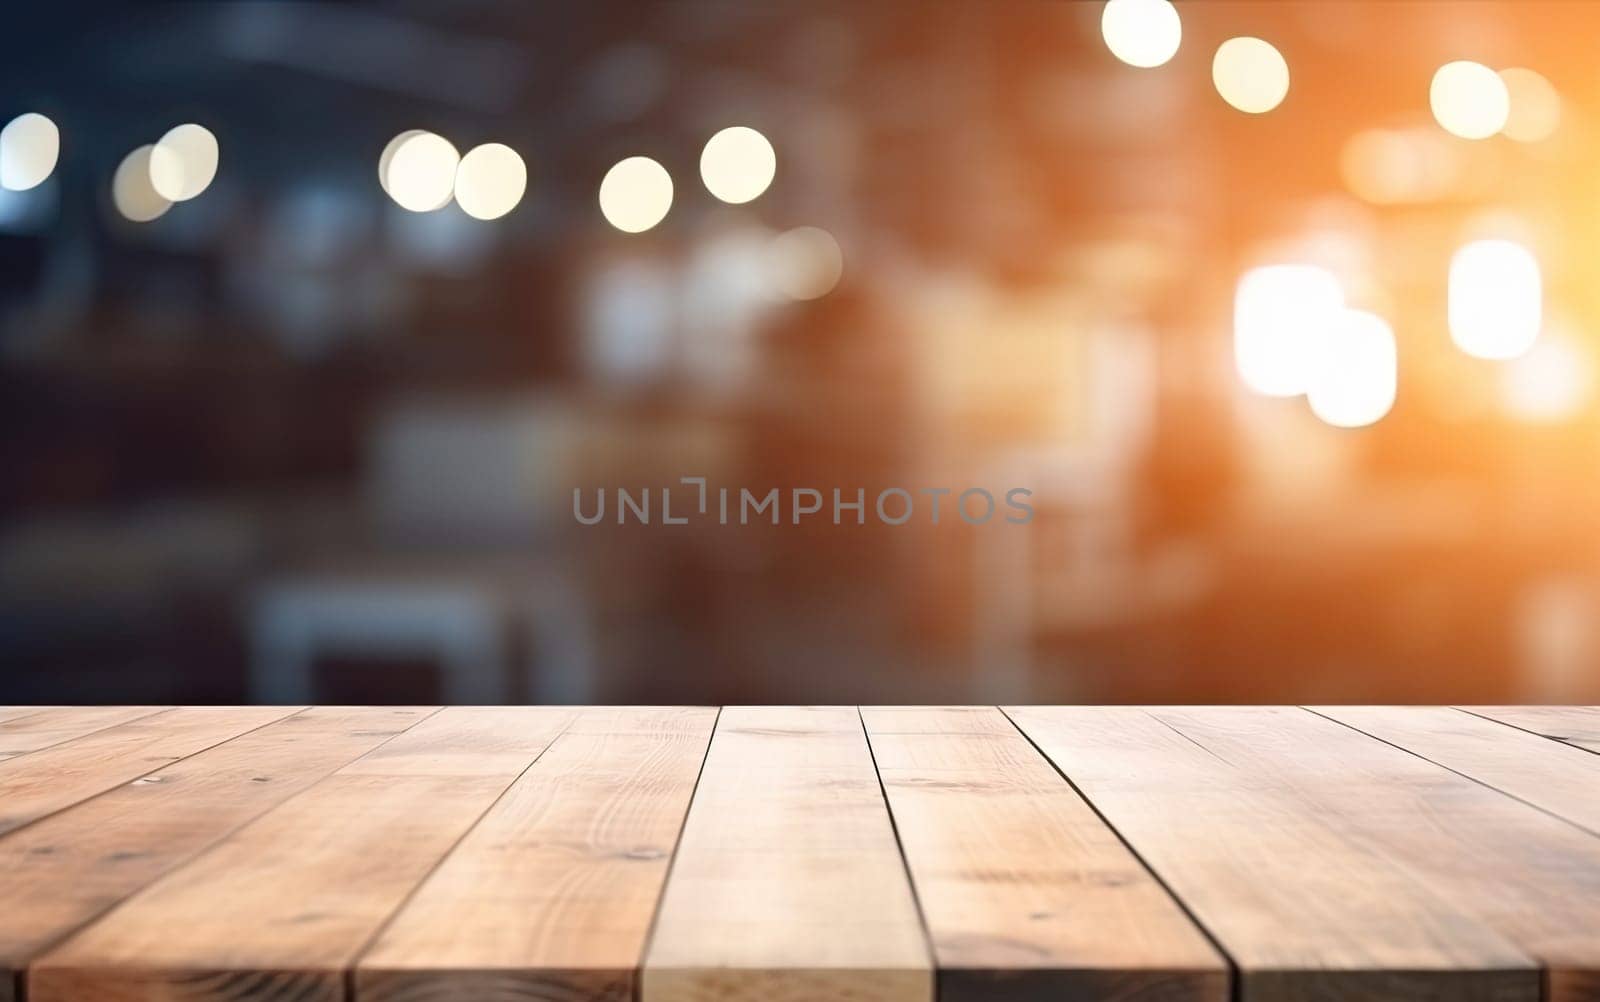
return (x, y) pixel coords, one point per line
(1550, 775)
(1534, 878)
(281, 909)
(26, 731)
(1306, 908)
(512, 854)
(1026, 893)
(62, 871)
(10, 713)
(50, 779)
(1578, 726)
(788, 884)
(551, 895)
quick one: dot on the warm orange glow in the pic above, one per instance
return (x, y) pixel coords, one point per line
(806, 263)
(1535, 108)
(1553, 382)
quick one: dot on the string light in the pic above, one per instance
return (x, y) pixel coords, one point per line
(1495, 299)
(422, 172)
(183, 162)
(490, 181)
(1469, 100)
(1250, 74)
(738, 164)
(133, 193)
(388, 155)
(1279, 312)
(30, 145)
(1353, 379)
(1142, 33)
(636, 194)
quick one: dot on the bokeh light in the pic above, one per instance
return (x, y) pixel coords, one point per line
(1469, 100)
(1142, 33)
(183, 162)
(132, 191)
(1535, 108)
(1553, 382)
(738, 164)
(422, 172)
(1496, 299)
(1250, 74)
(388, 154)
(806, 263)
(1279, 314)
(1355, 372)
(30, 144)
(636, 194)
(1404, 166)
(490, 181)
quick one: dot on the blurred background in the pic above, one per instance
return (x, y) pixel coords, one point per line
(294, 402)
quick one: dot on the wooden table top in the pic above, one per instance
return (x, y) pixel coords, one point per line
(781, 854)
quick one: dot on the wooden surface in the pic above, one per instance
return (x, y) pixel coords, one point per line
(403, 854)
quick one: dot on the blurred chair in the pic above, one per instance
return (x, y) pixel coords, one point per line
(295, 622)
(463, 559)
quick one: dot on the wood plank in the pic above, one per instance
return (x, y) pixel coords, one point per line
(551, 895)
(13, 712)
(27, 732)
(938, 720)
(1574, 725)
(281, 908)
(43, 782)
(1026, 893)
(1305, 908)
(1534, 878)
(1550, 775)
(62, 871)
(788, 883)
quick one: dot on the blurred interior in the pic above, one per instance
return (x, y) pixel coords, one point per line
(291, 441)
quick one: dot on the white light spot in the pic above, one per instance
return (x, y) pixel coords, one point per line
(636, 194)
(1469, 100)
(490, 181)
(1353, 380)
(1280, 312)
(738, 164)
(183, 162)
(131, 191)
(1496, 299)
(388, 154)
(1143, 33)
(29, 148)
(422, 172)
(1250, 74)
